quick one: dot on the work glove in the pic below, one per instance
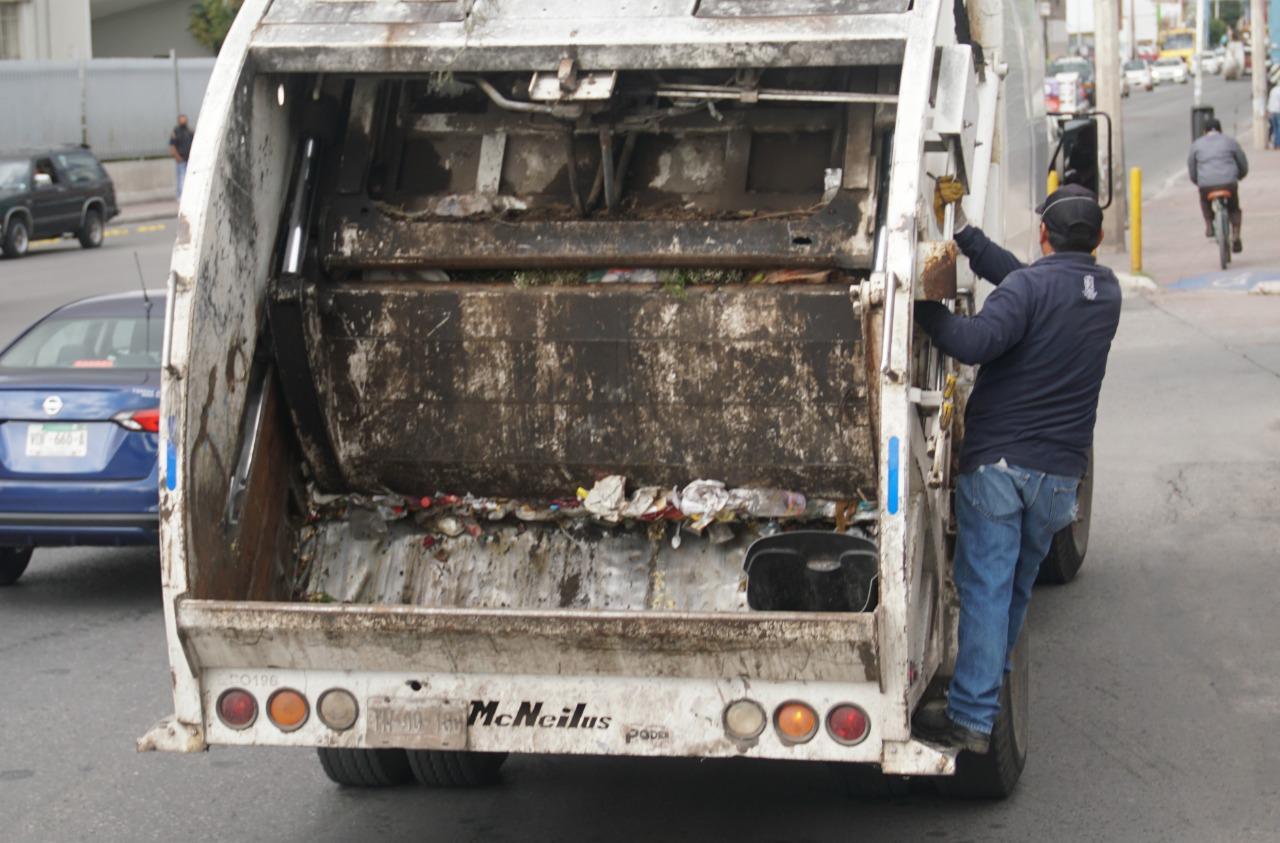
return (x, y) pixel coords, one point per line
(947, 192)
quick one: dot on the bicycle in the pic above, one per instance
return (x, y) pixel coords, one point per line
(1221, 224)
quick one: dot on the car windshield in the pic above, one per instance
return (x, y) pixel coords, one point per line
(1081, 67)
(1180, 41)
(103, 342)
(1169, 62)
(14, 174)
(1135, 65)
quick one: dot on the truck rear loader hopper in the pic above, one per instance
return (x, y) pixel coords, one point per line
(542, 379)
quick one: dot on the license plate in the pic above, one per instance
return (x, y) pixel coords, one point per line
(416, 724)
(57, 440)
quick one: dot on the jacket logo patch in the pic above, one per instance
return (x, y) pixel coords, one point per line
(1090, 291)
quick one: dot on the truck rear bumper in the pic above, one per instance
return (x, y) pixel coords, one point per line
(555, 682)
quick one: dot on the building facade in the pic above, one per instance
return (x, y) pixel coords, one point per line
(84, 29)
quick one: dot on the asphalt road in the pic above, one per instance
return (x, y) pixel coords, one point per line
(1155, 678)
(1157, 125)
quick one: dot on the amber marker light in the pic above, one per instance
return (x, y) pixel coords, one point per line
(287, 709)
(795, 722)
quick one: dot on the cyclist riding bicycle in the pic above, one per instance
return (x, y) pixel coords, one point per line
(1217, 162)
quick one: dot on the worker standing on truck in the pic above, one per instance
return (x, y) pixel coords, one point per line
(1041, 342)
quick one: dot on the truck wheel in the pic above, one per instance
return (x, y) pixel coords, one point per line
(90, 234)
(365, 767)
(1066, 553)
(17, 237)
(868, 781)
(996, 774)
(13, 561)
(439, 768)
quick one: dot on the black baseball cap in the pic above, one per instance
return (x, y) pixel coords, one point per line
(1072, 210)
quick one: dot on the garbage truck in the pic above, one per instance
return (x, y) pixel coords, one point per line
(540, 377)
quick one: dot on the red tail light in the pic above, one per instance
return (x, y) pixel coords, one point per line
(145, 421)
(238, 709)
(848, 724)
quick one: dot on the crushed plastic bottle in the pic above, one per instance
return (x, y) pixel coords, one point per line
(773, 503)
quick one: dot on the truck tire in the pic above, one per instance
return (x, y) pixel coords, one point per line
(996, 774)
(1066, 553)
(91, 232)
(13, 561)
(17, 237)
(439, 768)
(365, 767)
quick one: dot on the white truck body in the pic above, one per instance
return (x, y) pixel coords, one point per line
(618, 643)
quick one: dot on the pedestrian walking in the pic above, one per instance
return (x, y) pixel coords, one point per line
(1273, 113)
(180, 148)
(1040, 342)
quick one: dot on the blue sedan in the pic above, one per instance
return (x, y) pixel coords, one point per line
(79, 428)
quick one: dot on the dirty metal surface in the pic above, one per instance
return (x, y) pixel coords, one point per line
(531, 566)
(937, 260)
(505, 392)
(378, 241)
(784, 8)
(774, 646)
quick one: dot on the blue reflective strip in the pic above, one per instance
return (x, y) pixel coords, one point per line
(170, 466)
(891, 494)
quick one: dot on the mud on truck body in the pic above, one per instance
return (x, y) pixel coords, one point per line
(441, 482)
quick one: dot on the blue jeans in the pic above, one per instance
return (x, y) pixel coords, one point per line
(1275, 130)
(1006, 517)
(180, 173)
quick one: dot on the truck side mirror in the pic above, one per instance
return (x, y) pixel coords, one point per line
(1075, 159)
(43, 181)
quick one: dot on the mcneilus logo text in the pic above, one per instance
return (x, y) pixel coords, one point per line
(490, 713)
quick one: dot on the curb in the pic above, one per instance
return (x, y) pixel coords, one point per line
(129, 218)
(1130, 283)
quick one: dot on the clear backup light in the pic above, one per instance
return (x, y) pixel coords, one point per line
(848, 724)
(744, 720)
(237, 709)
(338, 709)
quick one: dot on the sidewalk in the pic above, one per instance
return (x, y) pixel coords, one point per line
(1177, 255)
(165, 209)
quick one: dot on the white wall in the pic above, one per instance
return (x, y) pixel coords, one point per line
(147, 31)
(54, 30)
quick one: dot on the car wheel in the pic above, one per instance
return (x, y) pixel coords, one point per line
(90, 233)
(365, 767)
(13, 561)
(17, 238)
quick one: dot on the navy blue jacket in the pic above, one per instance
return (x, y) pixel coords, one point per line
(1040, 342)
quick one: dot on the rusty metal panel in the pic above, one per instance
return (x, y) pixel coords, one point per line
(776, 646)
(380, 241)
(788, 8)
(937, 262)
(507, 392)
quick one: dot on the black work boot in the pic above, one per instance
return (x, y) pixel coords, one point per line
(1208, 230)
(931, 724)
(1237, 246)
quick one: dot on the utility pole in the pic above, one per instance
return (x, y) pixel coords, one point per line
(1260, 38)
(1106, 42)
(1201, 8)
(1132, 29)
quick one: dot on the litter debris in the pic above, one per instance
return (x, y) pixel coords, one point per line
(606, 498)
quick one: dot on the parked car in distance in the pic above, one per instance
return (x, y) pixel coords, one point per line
(1170, 69)
(53, 193)
(1211, 62)
(1075, 73)
(1137, 73)
(79, 428)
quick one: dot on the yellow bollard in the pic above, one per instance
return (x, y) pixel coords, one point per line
(1135, 219)
(1053, 182)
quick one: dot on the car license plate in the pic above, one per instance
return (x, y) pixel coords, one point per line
(416, 724)
(57, 440)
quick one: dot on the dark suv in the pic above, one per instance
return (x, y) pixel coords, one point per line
(51, 193)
